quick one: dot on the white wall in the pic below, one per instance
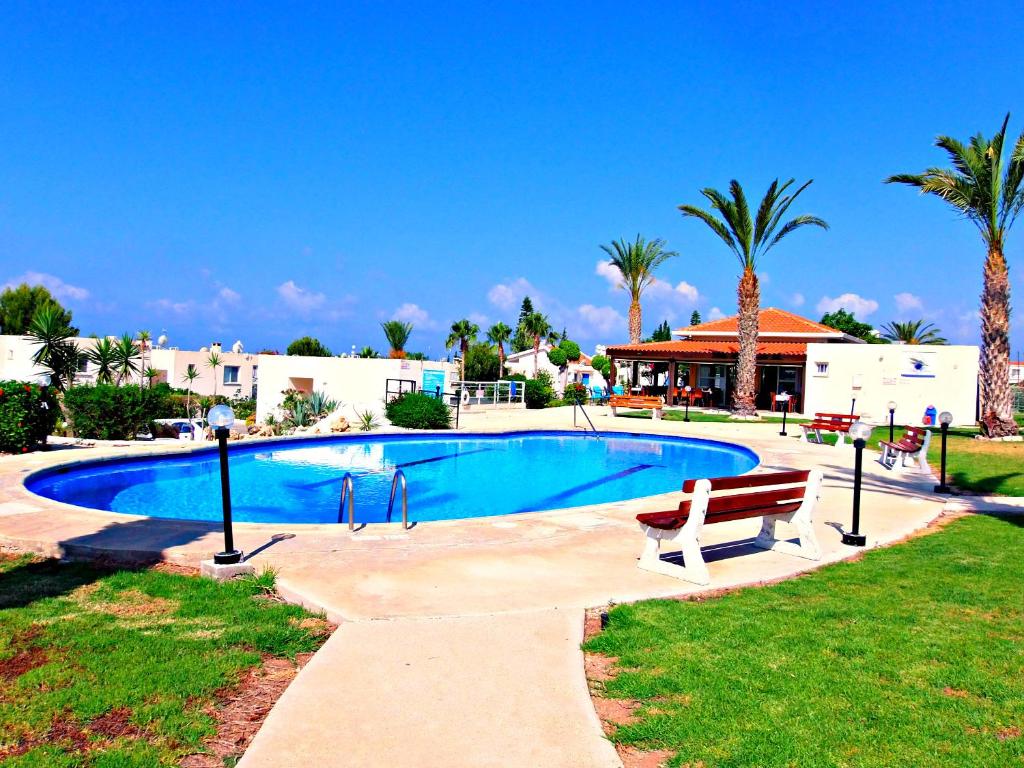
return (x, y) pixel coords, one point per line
(575, 372)
(878, 373)
(358, 383)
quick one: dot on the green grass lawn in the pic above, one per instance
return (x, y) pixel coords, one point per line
(112, 669)
(913, 656)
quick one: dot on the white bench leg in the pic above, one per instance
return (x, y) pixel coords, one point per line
(693, 569)
(655, 414)
(801, 519)
(614, 412)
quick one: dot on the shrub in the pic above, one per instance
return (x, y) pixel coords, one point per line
(308, 346)
(481, 363)
(539, 391)
(601, 364)
(415, 410)
(108, 412)
(557, 357)
(573, 391)
(24, 421)
(571, 350)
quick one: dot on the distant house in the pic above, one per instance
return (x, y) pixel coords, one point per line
(580, 371)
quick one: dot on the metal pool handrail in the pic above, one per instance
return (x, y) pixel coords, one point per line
(400, 475)
(347, 493)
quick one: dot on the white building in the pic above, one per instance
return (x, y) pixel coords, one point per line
(580, 371)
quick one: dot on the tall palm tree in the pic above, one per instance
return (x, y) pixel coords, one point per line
(397, 333)
(56, 350)
(462, 333)
(750, 239)
(189, 379)
(144, 339)
(537, 327)
(104, 357)
(990, 193)
(149, 374)
(912, 332)
(499, 334)
(126, 356)
(636, 263)
(214, 362)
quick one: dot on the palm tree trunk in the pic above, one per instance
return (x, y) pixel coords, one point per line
(464, 349)
(635, 327)
(996, 394)
(501, 360)
(536, 354)
(749, 295)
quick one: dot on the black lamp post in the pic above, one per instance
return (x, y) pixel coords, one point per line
(892, 420)
(860, 432)
(221, 417)
(687, 389)
(945, 419)
(784, 399)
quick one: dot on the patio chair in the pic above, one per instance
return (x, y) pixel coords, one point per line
(618, 389)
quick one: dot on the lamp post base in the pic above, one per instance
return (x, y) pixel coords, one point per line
(943, 489)
(228, 558)
(783, 433)
(855, 539)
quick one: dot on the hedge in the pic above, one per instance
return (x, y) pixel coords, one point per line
(108, 412)
(415, 410)
(28, 414)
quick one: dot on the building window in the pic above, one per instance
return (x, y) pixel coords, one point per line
(255, 372)
(230, 374)
(821, 369)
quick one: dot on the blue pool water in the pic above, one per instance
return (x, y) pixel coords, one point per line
(448, 477)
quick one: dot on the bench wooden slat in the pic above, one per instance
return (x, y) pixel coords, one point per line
(751, 481)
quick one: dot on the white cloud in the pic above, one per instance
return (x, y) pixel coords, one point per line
(907, 301)
(229, 296)
(174, 307)
(479, 319)
(797, 299)
(52, 283)
(415, 314)
(683, 292)
(300, 299)
(507, 295)
(851, 302)
(596, 322)
(764, 278)
(716, 314)
(609, 272)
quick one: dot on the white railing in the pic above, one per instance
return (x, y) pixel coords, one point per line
(500, 394)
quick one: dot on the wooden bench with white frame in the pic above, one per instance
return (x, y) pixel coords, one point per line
(839, 423)
(638, 402)
(912, 447)
(773, 496)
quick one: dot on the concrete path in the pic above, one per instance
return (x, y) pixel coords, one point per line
(503, 690)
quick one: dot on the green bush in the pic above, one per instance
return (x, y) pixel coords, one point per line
(109, 412)
(415, 410)
(571, 350)
(24, 421)
(573, 391)
(557, 357)
(601, 364)
(539, 391)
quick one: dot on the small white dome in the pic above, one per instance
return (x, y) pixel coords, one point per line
(237, 347)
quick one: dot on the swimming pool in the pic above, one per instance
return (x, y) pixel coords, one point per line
(449, 477)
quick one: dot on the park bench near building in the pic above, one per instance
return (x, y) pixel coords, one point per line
(787, 496)
(912, 447)
(839, 423)
(638, 402)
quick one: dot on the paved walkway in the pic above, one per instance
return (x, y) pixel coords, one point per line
(459, 640)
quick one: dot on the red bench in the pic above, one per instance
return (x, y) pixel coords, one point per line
(839, 423)
(913, 445)
(787, 496)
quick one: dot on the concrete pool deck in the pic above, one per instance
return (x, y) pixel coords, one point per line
(459, 640)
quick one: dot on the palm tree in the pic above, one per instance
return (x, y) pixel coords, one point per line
(912, 332)
(537, 327)
(56, 350)
(126, 355)
(368, 352)
(462, 333)
(214, 362)
(150, 374)
(144, 338)
(499, 335)
(397, 333)
(750, 239)
(189, 378)
(104, 357)
(636, 263)
(990, 193)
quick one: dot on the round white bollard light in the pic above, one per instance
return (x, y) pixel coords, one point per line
(688, 388)
(860, 431)
(892, 405)
(946, 418)
(43, 380)
(221, 416)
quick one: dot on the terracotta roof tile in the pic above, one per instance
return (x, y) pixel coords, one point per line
(770, 320)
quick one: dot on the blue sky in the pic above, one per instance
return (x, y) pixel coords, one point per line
(225, 172)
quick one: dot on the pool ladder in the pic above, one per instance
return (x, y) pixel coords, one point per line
(347, 494)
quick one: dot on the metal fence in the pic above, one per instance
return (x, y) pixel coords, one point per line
(1018, 399)
(500, 394)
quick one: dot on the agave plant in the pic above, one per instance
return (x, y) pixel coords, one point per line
(912, 332)
(319, 404)
(300, 414)
(104, 357)
(367, 421)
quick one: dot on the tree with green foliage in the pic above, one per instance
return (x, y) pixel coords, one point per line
(750, 238)
(695, 318)
(662, 333)
(572, 350)
(19, 305)
(912, 332)
(637, 263)
(397, 333)
(522, 341)
(368, 353)
(844, 321)
(602, 365)
(462, 333)
(126, 357)
(104, 357)
(989, 192)
(214, 361)
(482, 363)
(189, 380)
(307, 346)
(536, 325)
(56, 350)
(416, 356)
(499, 335)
